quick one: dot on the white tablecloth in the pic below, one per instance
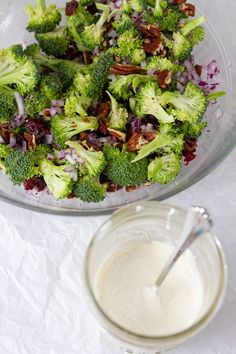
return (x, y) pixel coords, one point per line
(42, 305)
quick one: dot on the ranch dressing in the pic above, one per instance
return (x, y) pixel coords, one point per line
(125, 292)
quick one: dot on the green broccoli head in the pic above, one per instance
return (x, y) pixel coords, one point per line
(164, 169)
(121, 170)
(94, 160)
(42, 19)
(8, 105)
(67, 71)
(124, 86)
(90, 190)
(19, 166)
(134, 5)
(191, 25)
(192, 130)
(18, 70)
(189, 106)
(125, 24)
(36, 102)
(159, 64)
(64, 128)
(181, 46)
(4, 151)
(130, 45)
(51, 86)
(148, 102)
(99, 75)
(118, 116)
(59, 182)
(54, 43)
(166, 141)
(170, 22)
(159, 7)
(92, 35)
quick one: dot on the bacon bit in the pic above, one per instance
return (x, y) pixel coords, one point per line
(153, 45)
(117, 134)
(190, 148)
(131, 188)
(124, 69)
(164, 78)
(178, 2)
(30, 140)
(71, 7)
(112, 187)
(87, 57)
(83, 136)
(148, 30)
(187, 9)
(104, 109)
(198, 69)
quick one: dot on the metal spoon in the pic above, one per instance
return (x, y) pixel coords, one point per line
(197, 223)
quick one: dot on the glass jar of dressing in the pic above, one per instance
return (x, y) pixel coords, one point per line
(123, 261)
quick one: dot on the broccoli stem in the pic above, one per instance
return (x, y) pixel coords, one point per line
(215, 95)
(41, 5)
(186, 29)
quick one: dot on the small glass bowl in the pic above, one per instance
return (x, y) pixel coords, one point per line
(148, 221)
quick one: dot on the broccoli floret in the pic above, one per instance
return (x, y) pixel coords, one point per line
(158, 63)
(59, 182)
(94, 160)
(148, 102)
(36, 102)
(124, 86)
(193, 130)
(135, 5)
(64, 128)
(19, 166)
(77, 22)
(159, 7)
(18, 70)
(92, 35)
(164, 169)
(51, 86)
(90, 190)
(166, 141)
(121, 170)
(8, 105)
(182, 46)
(197, 35)
(170, 22)
(99, 75)
(42, 19)
(4, 151)
(118, 116)
(125, 24)
(189, 106)
(130, 45)
(39, 153)
(54, 43)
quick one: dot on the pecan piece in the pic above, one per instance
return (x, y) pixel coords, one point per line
(47, 113)
(30, 140)
(178, 2)
(131, 188)
(148, 30)
(198, 69)
(117, 134)
(125, 69)
(153, 45)
(87, 57)
(187, 9)
(136, 142)
(149, 136)
(102, 126)
(83, 136)
(104, 109)
(164, 78)
(112, 187)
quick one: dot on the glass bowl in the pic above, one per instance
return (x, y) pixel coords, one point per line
(214, 145)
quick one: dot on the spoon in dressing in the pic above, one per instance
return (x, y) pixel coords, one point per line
(197, 224)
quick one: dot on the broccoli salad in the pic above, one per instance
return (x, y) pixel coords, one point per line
(110, 99)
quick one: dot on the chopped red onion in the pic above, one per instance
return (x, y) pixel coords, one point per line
(136, 125)
(49, 139)
(112, 42)
(112, 34)
(147, 128)
(212, 70)
(68, 169)
(18, 120)
(180, 87)
(79, 160)
(70, 159)
(20, 103)
(143, 63)
(50, 156)
(61, 155)
(58, 103)
(12, 143)
(24, 145)
(182, 22)
(96, 51)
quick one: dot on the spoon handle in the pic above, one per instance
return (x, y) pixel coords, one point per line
(200, 224)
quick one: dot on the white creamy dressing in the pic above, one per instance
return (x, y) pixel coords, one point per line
(124, 289)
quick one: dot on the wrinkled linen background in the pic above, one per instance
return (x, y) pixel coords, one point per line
(42, 304)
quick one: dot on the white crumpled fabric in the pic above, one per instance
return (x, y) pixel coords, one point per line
(43, 309)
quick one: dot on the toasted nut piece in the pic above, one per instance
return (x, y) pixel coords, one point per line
(87, 57)
(112, 187)
(30, 140)
(83, 136)
(104, 109)
(125, 69)
(47, 113)
(187, 9)
(178, 2)
(153, 45)
(148, 30)
(102, 127)
(198, 69)
(149, 136)
(131, 188)
(136, 142)
(117, 134)
(164, 78)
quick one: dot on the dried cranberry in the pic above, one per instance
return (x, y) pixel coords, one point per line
(71, 7)
(33, 182)
(190, 147)
(38, 127)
